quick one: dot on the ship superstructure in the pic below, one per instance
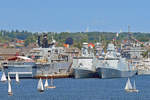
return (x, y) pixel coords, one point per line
(113, 65)
(143, 66)
(49, 58)
(83, 66)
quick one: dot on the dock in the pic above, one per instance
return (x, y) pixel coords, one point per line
(68, 75)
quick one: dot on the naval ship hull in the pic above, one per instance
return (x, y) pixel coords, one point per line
(53, 68)
(114, 73)
(83, 73)
(22, 75)
(24, 69)
(143, 72)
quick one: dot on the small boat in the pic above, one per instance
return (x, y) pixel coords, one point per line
(40, 86)
(9, 78)
(17, 78)
(51, 86)
(129, 88)
(9, 89)
(46, 83)
(3, 78)
(134, 87)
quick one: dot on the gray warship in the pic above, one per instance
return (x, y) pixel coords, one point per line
(112, 65)
(50, 60)
(83, 66)
(22, 65)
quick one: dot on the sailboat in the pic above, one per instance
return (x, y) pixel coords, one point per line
(129, 87)
(40, 86)
(46, 83)
(17, 78)
(9, 89)
(9, 78)
(3, 78)
(51, 85)
(134, 87)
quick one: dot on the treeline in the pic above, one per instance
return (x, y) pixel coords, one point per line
(78, 37)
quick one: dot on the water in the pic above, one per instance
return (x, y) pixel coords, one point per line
(78, 89)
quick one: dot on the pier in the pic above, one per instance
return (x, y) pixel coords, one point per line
(69, 75)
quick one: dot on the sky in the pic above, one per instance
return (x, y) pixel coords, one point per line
(75, 15)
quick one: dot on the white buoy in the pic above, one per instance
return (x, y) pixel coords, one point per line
(17, 77)
(40, 86)
(3, 78)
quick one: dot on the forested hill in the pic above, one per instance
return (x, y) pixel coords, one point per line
(78, 37)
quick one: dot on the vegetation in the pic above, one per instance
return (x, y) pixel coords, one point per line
(78, 37)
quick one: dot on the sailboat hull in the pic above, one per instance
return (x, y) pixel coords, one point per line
(83, 73)
(131, 90)
(114, 73)
(10, 93)
(41, 90)
(4, 81)
(24, 69)
(52, 87)
(136, 90)
(46, 86)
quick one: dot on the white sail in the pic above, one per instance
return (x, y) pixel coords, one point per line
(9, 88)
(46, 83)
(40, 85)
(17, 77)
(134, 86)
(3, 78)
(9, 78)
(128, 85)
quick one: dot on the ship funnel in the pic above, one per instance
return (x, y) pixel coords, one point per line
(39, 41)
(45, 41)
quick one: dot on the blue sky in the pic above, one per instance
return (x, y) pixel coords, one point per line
(75, 15)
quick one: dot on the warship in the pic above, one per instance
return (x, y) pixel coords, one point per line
(41, 61)
(112, 65)
(49, 58)
(21, 65)
(83, 66)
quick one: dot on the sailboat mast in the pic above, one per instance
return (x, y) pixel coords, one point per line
(134, 87)
(51, 81)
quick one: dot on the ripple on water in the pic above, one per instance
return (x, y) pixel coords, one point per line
(78, 89)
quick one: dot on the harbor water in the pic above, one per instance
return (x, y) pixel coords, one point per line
(78, 89)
